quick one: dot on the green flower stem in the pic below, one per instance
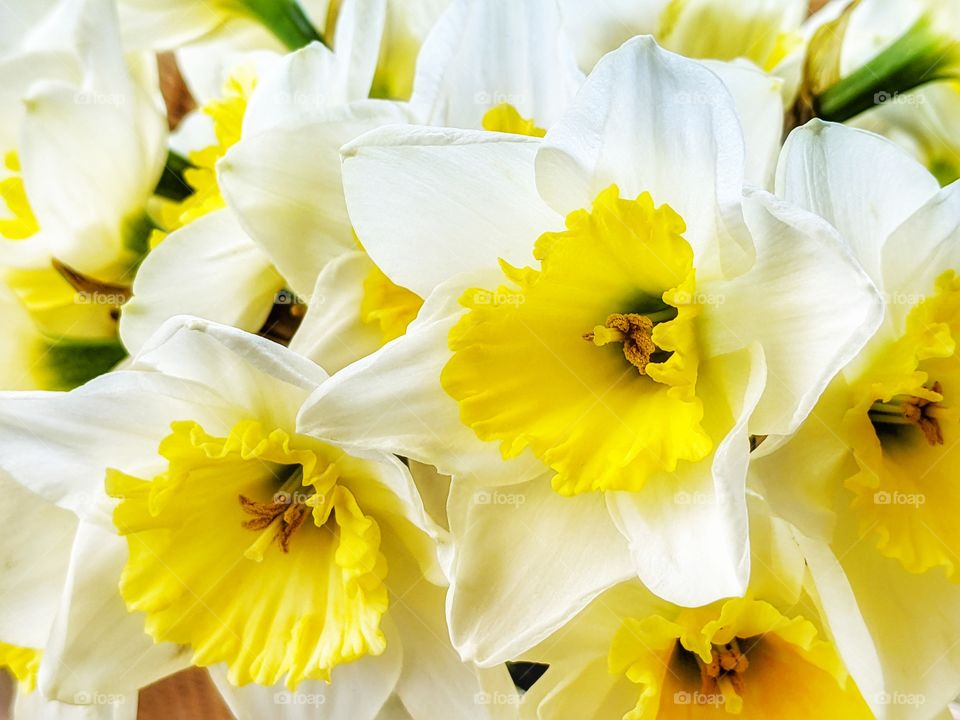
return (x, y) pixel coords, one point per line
(919, 56)
(286, 20)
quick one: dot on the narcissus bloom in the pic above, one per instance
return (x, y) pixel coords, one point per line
(871, 475)
(614, 383)
(472, 72)
(91, 125)
(254, 286)
(765, 655)
(231, 538)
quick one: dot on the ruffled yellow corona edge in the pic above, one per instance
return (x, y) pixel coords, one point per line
(224, 559)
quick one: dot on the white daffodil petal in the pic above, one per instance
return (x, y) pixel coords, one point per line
(264, 379)
(33, 706)
(285, 186)
(86, 200)
(59, 444)
(435, 683)
(679, 139)
(97, 646)
(688, 530)
(406, 411)
(578, 681)
(801, 476)
(596, 29)
(832, 170)
(357, 41)
(759, 100)
(919, 250)
(913, 620)
(356, 690)
(516, 576)
(35, 538)
(430, 203)
(841, 612)
(211, 269)
(165, 25)
(805, 297)
(294, 87)
(333, 333)
(480, 55)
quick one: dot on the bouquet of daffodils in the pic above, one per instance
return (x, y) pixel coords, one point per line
(480, 359)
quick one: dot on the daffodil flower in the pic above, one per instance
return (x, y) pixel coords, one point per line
(593, 409)
(764, 655)
(353, 308)
(467, 77)
(82, 162)
(869, 477)
(213, 533)
(35, 575)
(235, 280)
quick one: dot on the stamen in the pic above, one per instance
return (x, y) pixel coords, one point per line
(280, 519)
(635, 331)
(724, 673)
(911, 410)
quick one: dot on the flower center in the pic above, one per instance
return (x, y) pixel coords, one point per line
(723, 675)
(635, 331)
(523, 375)
(694, 664)
(306, 595)
(920, 412)
(280, 518)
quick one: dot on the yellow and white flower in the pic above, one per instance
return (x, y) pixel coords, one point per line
(765, 655)
(261, 286)
(870, 475)
(607, 393)
(80, 161)
(467, 75)
(213, 533)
